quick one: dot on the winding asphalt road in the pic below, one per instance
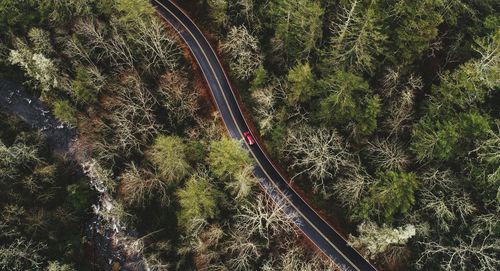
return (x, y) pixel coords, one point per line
(309, 222)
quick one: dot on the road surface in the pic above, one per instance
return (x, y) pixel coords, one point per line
(310, 223)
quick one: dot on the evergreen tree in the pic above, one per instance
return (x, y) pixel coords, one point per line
(393, 193)
(350, 102)
(168, 153)
(226, 156)
(302, 84)
(298, 25)
(199, 199)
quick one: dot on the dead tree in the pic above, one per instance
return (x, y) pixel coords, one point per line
(317, 153)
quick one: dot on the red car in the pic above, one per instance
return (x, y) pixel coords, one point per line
(249, 138)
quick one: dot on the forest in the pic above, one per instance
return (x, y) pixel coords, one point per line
(385, 113)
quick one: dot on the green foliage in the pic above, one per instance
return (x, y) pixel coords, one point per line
(435, 140)
(415, 26)
(196, 152)
(260, 78)
(133, 11)
(358, 39)
(447, 132)
(199, 199)
(85, 87)
(218, 11)
(78, 196)
(226, 156)
(487, 172)
(15, 158)
(59, 13)
(442, 140)
(298, 25)
(18, 15)
(168, 153)
(277, 137)
(349, 100)
(393, 193)
(39, 219)
(40, 39)
(373, 47)
(57, 266)
(457, 91)
(241, 184)
(474, 126)
(65, 112)
(21, 254)
(367, 120)
(302, 84)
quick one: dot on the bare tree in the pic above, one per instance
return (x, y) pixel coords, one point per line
(21, 254)
(267, 217)
(357, 37)
(350, 187)
(243, 51)
(177, 97)
(401, 104)
(445, 208)
(388, 154)
(40, 39)
(158, 49)
(153, 257)
(488, 152)
(247, 7)
(90, 40)
(114, 49)
(486, 223)
(295, 257)
(390, 82)
(205, 242)
(241, 184)
(318, 153)
(16, 157)
(119, 51)
(77, 51)
(131, 115)
(265, 99)
(478, 253)
(401, 112)
(138, 185)
(207, 128)
(486, 67)
(443, 200)
(244, 252)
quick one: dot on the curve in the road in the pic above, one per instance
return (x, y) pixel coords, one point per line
(314, 227)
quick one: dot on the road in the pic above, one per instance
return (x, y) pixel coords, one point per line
(331, 243)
